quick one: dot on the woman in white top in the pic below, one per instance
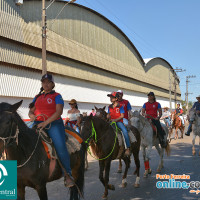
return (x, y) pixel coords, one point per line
(73, 116)
(166, 116)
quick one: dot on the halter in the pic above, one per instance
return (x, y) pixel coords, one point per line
(95, 136)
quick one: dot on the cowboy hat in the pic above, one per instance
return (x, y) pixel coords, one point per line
(73, 101)
(198, 96)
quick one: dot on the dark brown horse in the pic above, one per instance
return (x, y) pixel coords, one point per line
(105, 147)
(176, 124)
(33, 163)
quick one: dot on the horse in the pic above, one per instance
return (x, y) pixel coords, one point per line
(105, 147)
(148, 140)
(177, 124)
(25, 145)
(195, 128)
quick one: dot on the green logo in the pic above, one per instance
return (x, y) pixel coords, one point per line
(8, 179)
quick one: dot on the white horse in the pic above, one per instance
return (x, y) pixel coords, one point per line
(195, 128)
(148, 140)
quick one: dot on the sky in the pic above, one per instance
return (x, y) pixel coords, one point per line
(169, 29)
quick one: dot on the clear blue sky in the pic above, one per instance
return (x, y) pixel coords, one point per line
(169, 29)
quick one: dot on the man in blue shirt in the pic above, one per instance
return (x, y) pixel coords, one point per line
(197, 107)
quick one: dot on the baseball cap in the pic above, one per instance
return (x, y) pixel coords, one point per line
(120, 91)
(48, 76)
(113, 94)
(150, 94)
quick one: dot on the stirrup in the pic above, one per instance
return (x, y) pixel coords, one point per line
(69, 181)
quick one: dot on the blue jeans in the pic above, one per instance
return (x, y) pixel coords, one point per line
(57, 134)
(77, 129)
(189, 127)
(125, 133)
(167, 121)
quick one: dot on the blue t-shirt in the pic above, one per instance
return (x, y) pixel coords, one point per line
(196, 106)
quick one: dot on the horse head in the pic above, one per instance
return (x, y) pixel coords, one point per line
(8, 122)
(100, 112)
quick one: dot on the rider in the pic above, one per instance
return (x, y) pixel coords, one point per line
(116, 114)
(179, 111)
(197, 107)
(126, 105)
(73, 116)
(166, 116)
(46, 109)
(150, 110)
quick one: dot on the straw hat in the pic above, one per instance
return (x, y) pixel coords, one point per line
(166, 108)
(73, 101)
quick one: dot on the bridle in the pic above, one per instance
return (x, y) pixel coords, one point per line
(6, 140)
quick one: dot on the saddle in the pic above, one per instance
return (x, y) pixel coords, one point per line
(73, 142)
(120, 136)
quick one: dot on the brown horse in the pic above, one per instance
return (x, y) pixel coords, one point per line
(25, 145)
(176, 124)
(106, 148)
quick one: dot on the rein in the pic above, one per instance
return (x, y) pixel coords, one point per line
(95, 136)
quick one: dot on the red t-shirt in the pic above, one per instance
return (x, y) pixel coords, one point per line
(116, 112)
(126, 106)
(152, 109)
(46, 104)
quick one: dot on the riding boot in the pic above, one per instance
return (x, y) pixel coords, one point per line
(69, 181)
(120, 152)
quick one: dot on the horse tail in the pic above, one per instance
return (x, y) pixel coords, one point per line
(168, 149)
(76, 192)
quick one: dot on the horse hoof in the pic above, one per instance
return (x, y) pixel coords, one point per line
(149, 171)
(145, 175)
(119, 171)
(104, 197)
(193, 153)
(136, 185)
(111, 187)
(124, 185)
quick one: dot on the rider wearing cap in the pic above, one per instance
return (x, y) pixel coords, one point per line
(197, 107)
(179, 111)
(116, 114)
(46, 109)
(150, 110)
(126, 105)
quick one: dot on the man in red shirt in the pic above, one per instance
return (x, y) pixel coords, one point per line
(150, 110)
(116, 114)
(126, 105)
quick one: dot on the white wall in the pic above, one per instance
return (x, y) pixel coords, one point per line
(17, 84)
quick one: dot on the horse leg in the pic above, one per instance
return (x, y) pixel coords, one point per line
(106, 179)
(193, 143)
(120, 166)
(176, 133)
(86, 161)
(182, 130)
(127, 165)
(20, 192)
(137, 171)
(42, 192)
(146, 156)
(160, 152)
(199, 146)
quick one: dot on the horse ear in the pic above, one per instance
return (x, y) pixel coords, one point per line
(15, 106)
(104, 107)
(95, 108)
(91, 116)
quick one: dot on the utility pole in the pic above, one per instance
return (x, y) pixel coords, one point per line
(44, 36)
(175, 83)
(187, 93)
(170, 90)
